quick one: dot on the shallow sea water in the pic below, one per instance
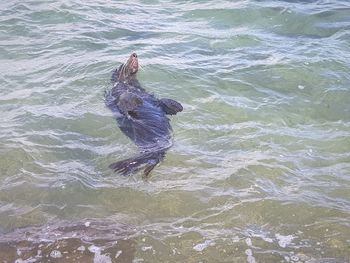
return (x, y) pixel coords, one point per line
(260, 166)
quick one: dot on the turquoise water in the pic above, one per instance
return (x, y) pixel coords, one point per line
(259, 170)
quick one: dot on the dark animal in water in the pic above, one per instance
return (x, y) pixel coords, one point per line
(141, 117)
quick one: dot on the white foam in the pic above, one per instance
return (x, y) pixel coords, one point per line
(201, 246)
(294, 258)
(136, 260)
(267, 239)
(146, 248)
(118, 253)
(284, 241)
(55, 254)
(98, 257)
(250, 257)
(248, 241)
(235, 239)
(263, 237)
(94, 249)
(81, 248)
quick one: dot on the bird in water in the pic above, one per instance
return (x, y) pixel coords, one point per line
(140, 116)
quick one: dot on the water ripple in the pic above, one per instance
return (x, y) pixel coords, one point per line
(260, 163)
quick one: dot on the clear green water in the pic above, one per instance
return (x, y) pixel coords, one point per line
(260, 167)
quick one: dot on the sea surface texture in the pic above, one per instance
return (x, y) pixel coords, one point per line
(260, 166)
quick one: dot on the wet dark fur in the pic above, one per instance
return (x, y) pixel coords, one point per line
(144, 122)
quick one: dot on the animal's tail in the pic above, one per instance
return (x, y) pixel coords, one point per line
(146, 160)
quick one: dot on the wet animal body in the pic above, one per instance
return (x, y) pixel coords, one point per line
(140, 116)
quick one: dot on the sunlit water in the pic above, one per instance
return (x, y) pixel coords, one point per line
(260, 166)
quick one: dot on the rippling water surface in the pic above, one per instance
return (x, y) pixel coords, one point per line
(259, 170)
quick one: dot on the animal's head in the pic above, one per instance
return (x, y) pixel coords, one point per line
(129, 69)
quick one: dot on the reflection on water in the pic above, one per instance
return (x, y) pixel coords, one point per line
(259, 169)
(89, 241)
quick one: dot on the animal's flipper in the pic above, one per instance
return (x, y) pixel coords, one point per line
(170, 107)
(146, 160)
(128, 102)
